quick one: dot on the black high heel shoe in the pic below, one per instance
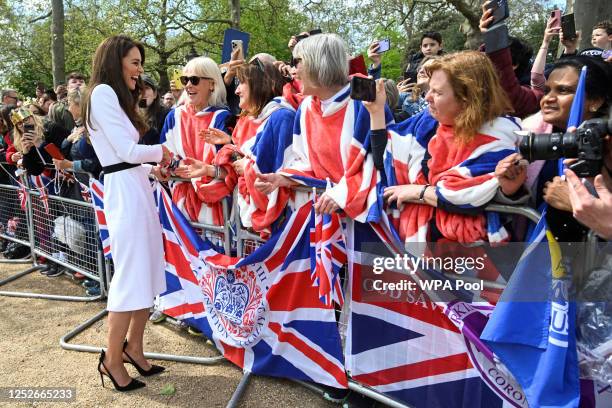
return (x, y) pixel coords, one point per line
(155, 369)
(133, 385)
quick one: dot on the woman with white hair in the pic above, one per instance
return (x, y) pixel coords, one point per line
(183, 134)
(331, 133)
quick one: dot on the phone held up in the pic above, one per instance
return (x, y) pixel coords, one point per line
(363, 89)
(28, 128)
(556, 14)
(383, 46)
(500, 10)
(237, 44)
(568, 26)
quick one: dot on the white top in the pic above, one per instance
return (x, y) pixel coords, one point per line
(117, 140)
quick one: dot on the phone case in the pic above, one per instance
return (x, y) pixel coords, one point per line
(54, 151)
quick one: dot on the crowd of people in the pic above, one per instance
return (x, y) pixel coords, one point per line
(261, 126)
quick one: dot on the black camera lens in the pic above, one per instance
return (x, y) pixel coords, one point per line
(548, 146)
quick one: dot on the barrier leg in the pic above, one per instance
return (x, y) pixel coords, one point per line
(375, 395)
(240, 389)
(96, 349)
(42, 295)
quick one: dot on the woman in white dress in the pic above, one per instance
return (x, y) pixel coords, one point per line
(114, 126)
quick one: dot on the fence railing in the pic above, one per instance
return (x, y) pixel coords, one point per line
(65, 231)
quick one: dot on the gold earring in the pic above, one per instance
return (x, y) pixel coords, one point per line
(593, 109)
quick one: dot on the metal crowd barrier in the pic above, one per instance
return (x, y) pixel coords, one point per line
(220, 234)
(41, 225)
(11, 212)
(87, 258)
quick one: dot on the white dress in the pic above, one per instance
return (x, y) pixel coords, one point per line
(132, 219)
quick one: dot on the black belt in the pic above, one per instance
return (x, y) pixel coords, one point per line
(113, 168)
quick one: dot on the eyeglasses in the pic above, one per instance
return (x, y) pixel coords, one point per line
(195, 80)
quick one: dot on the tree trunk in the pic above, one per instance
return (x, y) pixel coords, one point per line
(235, 13)
(587, 13)
(162, 70)
(57, 42)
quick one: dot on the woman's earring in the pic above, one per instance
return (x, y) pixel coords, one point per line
(593, 109)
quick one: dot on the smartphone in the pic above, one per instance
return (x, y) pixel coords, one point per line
(357, 65)
(500, 10)
(301, 37)
(54, 151)
(315, 31)
(142, 103)
(384, 45)
(556, 14)
(176, 78)
(28, 128)
(568, 26)
(237, 44)
(363, 89)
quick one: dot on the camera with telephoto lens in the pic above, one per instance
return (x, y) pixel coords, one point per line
(585, 144)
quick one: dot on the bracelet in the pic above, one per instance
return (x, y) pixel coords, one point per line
(422, 195)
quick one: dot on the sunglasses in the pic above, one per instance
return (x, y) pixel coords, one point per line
(195, 80)
(258, 64)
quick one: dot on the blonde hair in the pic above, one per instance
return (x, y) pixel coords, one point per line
(476, 87)
(38, 134)
(206, 67)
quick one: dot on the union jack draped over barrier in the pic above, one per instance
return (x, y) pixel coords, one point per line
(432, 353)
(262, 312)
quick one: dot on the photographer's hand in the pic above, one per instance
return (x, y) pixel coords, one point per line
(556, 194)
(595, 213)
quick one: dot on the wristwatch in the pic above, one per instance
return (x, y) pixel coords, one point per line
(422, 195)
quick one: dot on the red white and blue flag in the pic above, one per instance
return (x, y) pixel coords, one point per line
(420, 351)
(327, 255)
(262, 312)
(41, 187)
(96, 190)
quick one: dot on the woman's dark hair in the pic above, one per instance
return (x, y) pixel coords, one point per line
(107, 68)
(598, 79)
(5, 115)
(265, 82)
(521, 54)
(153, 112)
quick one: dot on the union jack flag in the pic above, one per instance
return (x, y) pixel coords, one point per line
(41, 186)
(85, 192)
(97, 193)
(262, 311)
(327, 255)
(429, 354)
(23, 196)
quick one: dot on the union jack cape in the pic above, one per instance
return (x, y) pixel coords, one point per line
(462, 175)
(262, 312)
(201, 199)
(332, 142)
(266, 142)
